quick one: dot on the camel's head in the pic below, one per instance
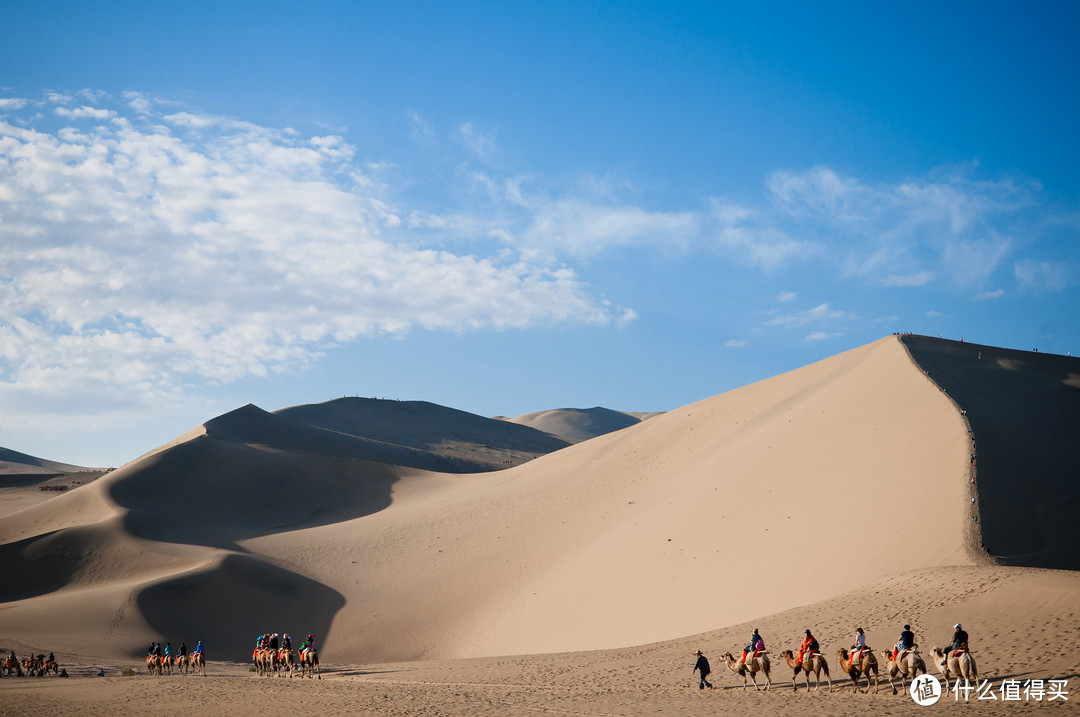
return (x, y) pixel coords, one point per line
(787, 653)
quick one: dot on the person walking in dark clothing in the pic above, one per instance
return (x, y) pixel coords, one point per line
(702, 665)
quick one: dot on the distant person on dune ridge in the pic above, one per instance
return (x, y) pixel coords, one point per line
(702, 665)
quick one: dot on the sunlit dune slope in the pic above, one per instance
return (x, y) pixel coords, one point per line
(771, 496)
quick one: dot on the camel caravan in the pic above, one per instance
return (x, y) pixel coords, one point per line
(278, 658)
(163, 661)
(858, 662)
(30, 666)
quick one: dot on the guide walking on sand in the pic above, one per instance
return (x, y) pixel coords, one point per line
(702, 665)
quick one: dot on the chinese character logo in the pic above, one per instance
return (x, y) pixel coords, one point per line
(925, 690)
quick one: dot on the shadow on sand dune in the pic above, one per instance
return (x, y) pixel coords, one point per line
(1024, 411)
(235, 601)
(215, 492)
(253, 473)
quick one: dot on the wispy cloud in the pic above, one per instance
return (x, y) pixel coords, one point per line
(919, 278)
(479, 143)
(1043, 275)
(818, 314)
(946, 226)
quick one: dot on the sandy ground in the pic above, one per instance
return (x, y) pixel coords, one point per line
(1011, 607)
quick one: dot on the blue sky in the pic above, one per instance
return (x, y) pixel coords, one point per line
(510, 207)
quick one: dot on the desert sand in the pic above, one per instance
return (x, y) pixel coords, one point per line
(840, 495)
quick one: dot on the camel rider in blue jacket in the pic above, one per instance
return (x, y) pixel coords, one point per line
(959, 642)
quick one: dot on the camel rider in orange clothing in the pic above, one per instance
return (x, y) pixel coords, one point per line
(809, 646)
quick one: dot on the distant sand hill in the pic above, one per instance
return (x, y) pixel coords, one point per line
(831, 480)
(580, 424)
(15, 463)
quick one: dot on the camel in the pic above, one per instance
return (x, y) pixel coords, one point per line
(32, 665)
(908, 663)
(183, 663)
(49, 666)
(288, 661)
(153, 664)
(10, 665)
(856, 668)
(262, 664)
(752, 666)
(198, 663)
(309, 663)
(958, 666)
(815, 663)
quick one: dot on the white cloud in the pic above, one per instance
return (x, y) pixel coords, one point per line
(12, 103)
(755, 238)
(421, 128)
(818, 314)
(821, 335)
(85, 112)
(480, 143)
(735, 343)
(889, 233)
(785, 296)
(996, 294)
(1042, 275)
(155, 251)
(919, 278)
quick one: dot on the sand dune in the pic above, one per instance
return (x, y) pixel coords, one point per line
(836, 495)
(580, 424)
(13, 462)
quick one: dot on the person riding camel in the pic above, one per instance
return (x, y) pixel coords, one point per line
(198, 647)
(959, 642)
(906, 642)
(183, 650)
(309, 644)
(286, 642)
(756, 646)
(860, 643)
(809, 646)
